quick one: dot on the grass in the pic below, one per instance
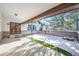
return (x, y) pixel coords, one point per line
(52, 47)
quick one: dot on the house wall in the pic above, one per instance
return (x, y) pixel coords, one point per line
(6, 26)
(0, 28)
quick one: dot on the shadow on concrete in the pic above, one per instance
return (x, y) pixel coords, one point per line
(33, 50)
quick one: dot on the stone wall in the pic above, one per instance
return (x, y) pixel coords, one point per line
(78, 36)
(0, 36)
(64, 33)
(55, 33)
(5, 34)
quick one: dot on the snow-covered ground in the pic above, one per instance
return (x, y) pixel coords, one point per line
(70, 46)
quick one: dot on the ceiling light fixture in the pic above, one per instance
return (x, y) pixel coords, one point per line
(16, 14)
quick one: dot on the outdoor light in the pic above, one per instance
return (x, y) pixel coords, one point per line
(16, 14)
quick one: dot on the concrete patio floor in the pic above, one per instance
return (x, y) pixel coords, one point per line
(24, 47)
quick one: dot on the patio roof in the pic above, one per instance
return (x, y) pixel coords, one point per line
(53, 11)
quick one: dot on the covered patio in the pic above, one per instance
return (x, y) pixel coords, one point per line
(54, 32)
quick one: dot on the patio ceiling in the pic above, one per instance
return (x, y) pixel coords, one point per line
(53, 11)
(20, 12)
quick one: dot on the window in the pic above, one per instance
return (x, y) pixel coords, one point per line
(64, 21)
